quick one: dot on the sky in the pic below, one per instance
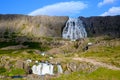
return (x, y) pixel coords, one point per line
(72, 8)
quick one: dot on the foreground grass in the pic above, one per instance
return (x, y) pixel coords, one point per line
(99, 74)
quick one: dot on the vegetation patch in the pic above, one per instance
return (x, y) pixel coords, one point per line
(15, 72)
(36, 45)
(5, 44)
(99, 74)
(107, 54)
(2, 70)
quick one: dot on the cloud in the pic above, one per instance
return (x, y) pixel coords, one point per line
(112, 11)
(104, 2)
(61, 9)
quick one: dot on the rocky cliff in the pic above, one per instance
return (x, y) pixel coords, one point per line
(51, 26)
(101, 26)
(31, 26)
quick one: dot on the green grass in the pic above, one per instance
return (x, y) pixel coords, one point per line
(99, 74)
(14, 72)
(6, 52)
(107, 54)
(110, 55)
(36, 45)
(5, 44)
(2, 70)
(31, 45)
(23, 54)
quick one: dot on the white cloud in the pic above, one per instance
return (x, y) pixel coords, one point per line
(112, 11)
(104, 2)
(61, 9)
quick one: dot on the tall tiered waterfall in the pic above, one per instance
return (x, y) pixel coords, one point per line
(74, 29)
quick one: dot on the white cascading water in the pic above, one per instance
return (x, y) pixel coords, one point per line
(43, 69)
(46, 68)
(74, 29)
(34, 69)
(60, 70)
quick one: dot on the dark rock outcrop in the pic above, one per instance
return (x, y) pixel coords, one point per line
(101, 26)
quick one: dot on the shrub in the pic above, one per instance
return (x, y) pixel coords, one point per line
(2, 70)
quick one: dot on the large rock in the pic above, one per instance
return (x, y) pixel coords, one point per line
(82, 66)
(100, 26)
(31, 26)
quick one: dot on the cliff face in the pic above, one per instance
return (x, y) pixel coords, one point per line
(37, 26)
(101, 26)
(52, 26)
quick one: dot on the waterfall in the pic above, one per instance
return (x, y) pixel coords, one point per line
(60, 70)
(51, 69)
(34, 69)
(43, 69)
(74, 29)
(46, 68)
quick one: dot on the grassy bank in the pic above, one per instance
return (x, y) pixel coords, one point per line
(99, 74)
(109, 55)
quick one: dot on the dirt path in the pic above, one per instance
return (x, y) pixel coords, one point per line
(94, 62)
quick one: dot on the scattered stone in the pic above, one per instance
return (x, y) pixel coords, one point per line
(89, 44)
(43, 53)
(50, 57)
(29, 61)
(1, 76)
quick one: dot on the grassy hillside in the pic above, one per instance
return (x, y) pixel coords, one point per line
(104, 50)
(107, 51)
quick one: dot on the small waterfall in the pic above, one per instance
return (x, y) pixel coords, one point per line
(60, 70)
(46, 68)
(43, 69)
(74, 29)
(34, 69)
(51, 69)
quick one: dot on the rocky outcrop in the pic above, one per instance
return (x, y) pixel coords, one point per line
(101, 26)
(31, 26)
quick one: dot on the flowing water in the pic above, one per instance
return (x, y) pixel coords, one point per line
(60, 70)
(74, 29)
(46, 68)
(43, 69)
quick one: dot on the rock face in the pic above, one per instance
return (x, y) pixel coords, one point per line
(100, 26)
(31, 26)
(12, 26)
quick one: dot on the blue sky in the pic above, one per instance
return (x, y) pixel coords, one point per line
(72, 8)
